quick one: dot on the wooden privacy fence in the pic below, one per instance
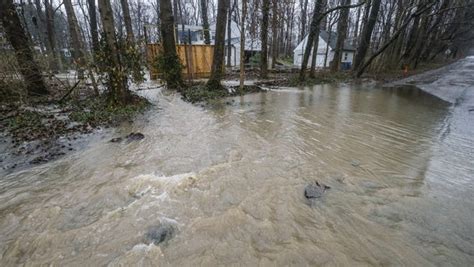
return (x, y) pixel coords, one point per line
(196, 59)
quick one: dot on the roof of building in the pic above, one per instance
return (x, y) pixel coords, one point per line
(327, 36)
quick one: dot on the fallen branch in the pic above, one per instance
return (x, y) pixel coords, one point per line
(70, 91)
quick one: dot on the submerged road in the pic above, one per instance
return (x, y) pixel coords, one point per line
(224, 185)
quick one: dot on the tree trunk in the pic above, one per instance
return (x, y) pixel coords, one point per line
(229, 34)
(205, 22)
(274, 32)
(93, 25)
(312, 72)
(366, 35)
(54, 58)
(242, 45)
(420, 42)
(314, 56)
(341, 36)
(356, 30)
(304, 15)
(420, 10)
(313, 33)
(264, 36)
(17, 37)
(218, 59)
(365, 18)
(432, 32)
(117, 77)
(76, 40)
(169, 43)
(128, 21)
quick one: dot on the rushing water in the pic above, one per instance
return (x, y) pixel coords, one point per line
(230, 180)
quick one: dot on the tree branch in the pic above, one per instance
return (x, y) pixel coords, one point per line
(394, 37)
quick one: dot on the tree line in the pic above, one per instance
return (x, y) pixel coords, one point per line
(107, 37)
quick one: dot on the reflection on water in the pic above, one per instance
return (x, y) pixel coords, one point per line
(230, 179)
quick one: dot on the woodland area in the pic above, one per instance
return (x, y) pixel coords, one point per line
(87, 56)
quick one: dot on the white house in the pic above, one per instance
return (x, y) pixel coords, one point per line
(325, 51)
(252, 45)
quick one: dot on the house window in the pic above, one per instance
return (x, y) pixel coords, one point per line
(345, 56)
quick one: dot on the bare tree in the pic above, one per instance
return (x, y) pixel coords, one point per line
(128, 21)
(242, 44)
(93, 25)
(20, 42)
(117, 78)
(341, 36)
(76, 41)
(174, 79)
(318, 10)
(217, 69)
(366, 34)
(229, 33)
(264, 37)
(205, 22)
(275, 26)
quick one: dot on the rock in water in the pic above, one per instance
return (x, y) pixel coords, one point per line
(315, 190)
(129, 138)
(135, 137)
(355, 163)
(160, 234)
(116, 140)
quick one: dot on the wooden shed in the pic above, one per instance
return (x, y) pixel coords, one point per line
(196, 59)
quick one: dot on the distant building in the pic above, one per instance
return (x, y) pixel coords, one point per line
(325, 51)
(196, 32)
(252, 45)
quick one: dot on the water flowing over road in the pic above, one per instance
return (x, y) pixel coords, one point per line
(229, 180)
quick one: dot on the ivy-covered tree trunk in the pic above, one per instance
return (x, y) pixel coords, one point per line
(217, 68)
(118, 86)
(205, 22)
(169, 61)
(20, 42)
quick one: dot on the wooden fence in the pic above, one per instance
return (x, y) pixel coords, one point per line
(196, 59)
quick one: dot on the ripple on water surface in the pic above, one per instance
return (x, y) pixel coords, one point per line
(229, 181)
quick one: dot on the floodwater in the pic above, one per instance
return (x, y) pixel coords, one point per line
(230, 181)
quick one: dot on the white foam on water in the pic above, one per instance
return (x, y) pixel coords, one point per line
(143, 247)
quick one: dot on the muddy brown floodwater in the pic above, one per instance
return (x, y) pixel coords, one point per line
(228, 184)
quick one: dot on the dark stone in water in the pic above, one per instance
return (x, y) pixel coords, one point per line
(315, 190)
(135, 137)
(160, 234)
(129, 138)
